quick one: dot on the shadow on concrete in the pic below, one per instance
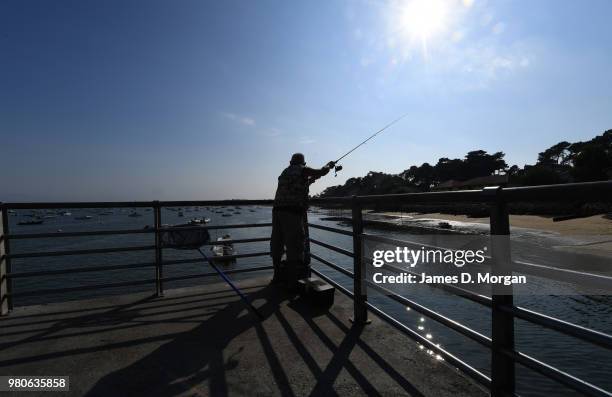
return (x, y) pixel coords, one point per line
(197, 355)
(198, 358)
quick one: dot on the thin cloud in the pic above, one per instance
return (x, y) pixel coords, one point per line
(248, 121)
(271, 132)
(306, 140)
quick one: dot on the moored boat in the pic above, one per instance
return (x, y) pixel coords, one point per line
(222, 250)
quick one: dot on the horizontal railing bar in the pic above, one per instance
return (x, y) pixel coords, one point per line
(331, 229)
(556, 374)
(238, 241)
(235, 226)
(81, 288)
(567, 191)
(80, 252)
(450, 323)
(466, 368)
(134, 204)
(332, 265)
(78, 270)
(216, 258)
(210, 274)
(389, 240)
(474, 297)
(583, 333)
(79, 234)
(571, 276)
(332, 247)
(79, 204)
(332, 282)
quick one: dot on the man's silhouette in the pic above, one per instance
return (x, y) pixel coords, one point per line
(289, 219)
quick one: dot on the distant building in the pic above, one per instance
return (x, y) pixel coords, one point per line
(474, 183)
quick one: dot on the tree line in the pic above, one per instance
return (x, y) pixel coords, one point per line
(563, 162)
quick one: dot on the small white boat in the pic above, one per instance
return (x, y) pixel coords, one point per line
(223, 249)
(82, 218)
(199, 221)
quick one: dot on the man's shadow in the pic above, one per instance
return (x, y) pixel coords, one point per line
(197, 355)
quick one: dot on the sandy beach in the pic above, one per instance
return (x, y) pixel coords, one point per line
(581, 228)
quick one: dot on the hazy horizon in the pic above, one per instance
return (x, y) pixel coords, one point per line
(135, 100)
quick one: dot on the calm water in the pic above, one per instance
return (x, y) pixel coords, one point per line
(578, 358)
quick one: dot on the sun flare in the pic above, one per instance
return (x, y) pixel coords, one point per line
(421, 20)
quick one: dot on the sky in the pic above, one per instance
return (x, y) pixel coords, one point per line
(189, 100)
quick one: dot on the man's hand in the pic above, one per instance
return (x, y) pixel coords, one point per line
(330, 165)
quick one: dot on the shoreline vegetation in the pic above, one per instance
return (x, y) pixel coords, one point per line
(563, 162)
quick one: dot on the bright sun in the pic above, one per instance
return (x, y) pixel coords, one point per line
(422, 19)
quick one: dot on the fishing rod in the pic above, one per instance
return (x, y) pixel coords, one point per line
(339, 167)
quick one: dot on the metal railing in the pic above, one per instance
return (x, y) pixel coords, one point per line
(501, 342)
(8, 275)
(504, 355)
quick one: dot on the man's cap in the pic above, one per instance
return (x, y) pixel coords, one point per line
(297, 158)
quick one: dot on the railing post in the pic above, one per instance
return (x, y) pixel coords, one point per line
(360, 310)
(4, 263)
(502, 366)
(159, 285)
(307, 258)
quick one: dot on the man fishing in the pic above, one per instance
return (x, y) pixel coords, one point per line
(289, 219)
(289, 223)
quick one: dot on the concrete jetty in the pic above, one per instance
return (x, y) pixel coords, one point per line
(203, 341)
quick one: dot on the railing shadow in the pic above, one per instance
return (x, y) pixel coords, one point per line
(197, 355)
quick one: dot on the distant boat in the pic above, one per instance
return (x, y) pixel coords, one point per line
(11, 211)
(252, 210)
(83, 218)
(226, 215)
(106, 213)
(134, 214)
(65, 213)
(50, 216)
(181, 213)
(237, 213)
(199, 221)
(28, 223)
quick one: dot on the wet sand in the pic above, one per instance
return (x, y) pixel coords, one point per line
(597, 227)
(593, 225)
